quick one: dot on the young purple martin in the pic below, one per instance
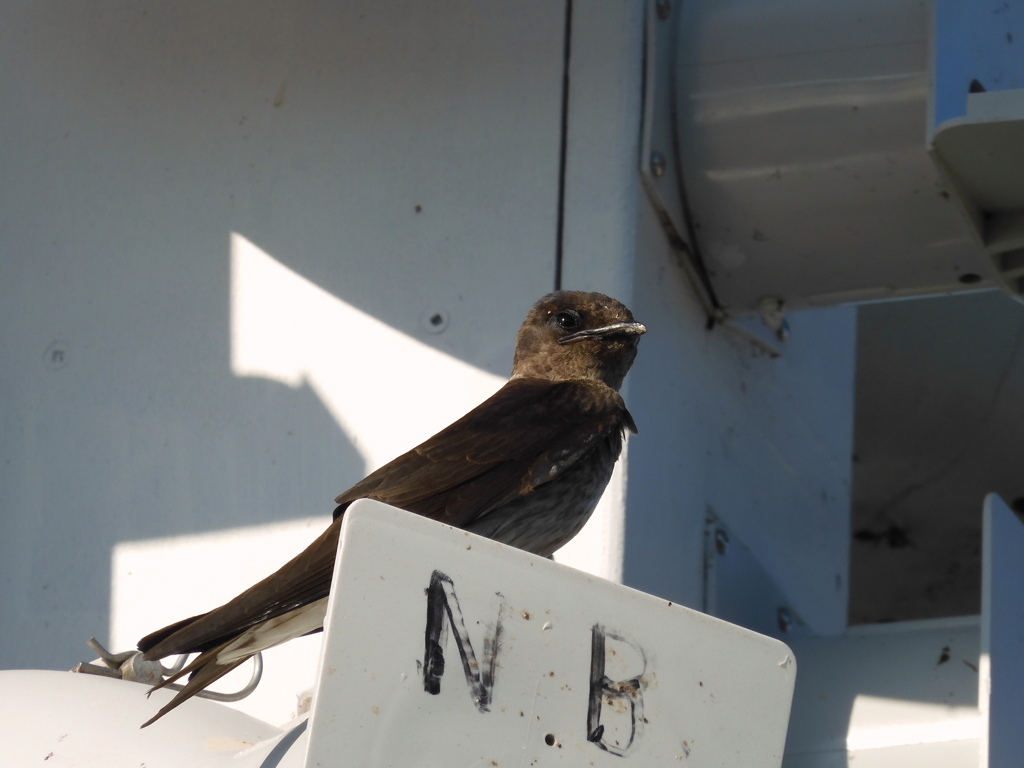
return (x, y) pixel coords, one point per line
(526, 467)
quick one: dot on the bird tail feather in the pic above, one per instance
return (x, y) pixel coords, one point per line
(202, 672)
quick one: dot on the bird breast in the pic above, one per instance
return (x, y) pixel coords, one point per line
(542, 521)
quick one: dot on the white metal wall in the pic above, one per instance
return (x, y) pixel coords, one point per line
(224, 233)
(397, 160)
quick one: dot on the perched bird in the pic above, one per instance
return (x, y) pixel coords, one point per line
(526, 467)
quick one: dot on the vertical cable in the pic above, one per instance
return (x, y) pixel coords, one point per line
(560, 231)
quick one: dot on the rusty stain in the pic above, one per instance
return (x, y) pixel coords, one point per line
(617, 705)
(375, 709)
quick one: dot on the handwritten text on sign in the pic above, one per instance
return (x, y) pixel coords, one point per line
(625, 696)
(442, 648)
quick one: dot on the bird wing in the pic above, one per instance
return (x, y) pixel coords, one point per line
(525, 435)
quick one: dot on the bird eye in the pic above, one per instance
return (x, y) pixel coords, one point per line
(568, 320)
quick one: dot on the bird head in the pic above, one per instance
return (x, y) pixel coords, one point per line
(572, 335)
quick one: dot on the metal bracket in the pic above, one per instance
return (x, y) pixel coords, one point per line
(766, 331)
(660, 168)
(738, 589)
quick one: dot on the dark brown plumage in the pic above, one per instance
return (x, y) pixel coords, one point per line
(526, 467)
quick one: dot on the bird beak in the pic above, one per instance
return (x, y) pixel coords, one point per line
(615, 330)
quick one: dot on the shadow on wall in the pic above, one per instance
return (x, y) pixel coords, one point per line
(318, 397)
(137, 406)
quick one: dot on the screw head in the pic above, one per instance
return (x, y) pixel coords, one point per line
(657, 164)
(435, 321)
(56, 355)
(721, 541)
(785, 619)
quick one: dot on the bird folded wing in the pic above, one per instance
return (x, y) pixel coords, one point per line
(304, 579)
(527, 434)
(503, 449)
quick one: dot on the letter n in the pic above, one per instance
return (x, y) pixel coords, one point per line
(442, 603)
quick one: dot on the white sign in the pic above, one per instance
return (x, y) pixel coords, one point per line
(443, 648)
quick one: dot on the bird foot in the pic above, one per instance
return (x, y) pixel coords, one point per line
(130, 665)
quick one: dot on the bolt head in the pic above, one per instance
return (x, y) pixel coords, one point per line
(435, 321)
(657, 165)
(785, 619)
(721, 541)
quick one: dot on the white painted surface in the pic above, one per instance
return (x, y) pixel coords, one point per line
(980, 154)
(672, 684)
(765, 443)
(281, 325)
(888, 695)
(939, 424)
(971, 44)
(976, 123)
(602, 185)
(601, 204)
(701, 691)
(944, 692)
(803, 146)
(143, 140)
(214, 269)
(1001, 684)
(63, 719)
(739, 590)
